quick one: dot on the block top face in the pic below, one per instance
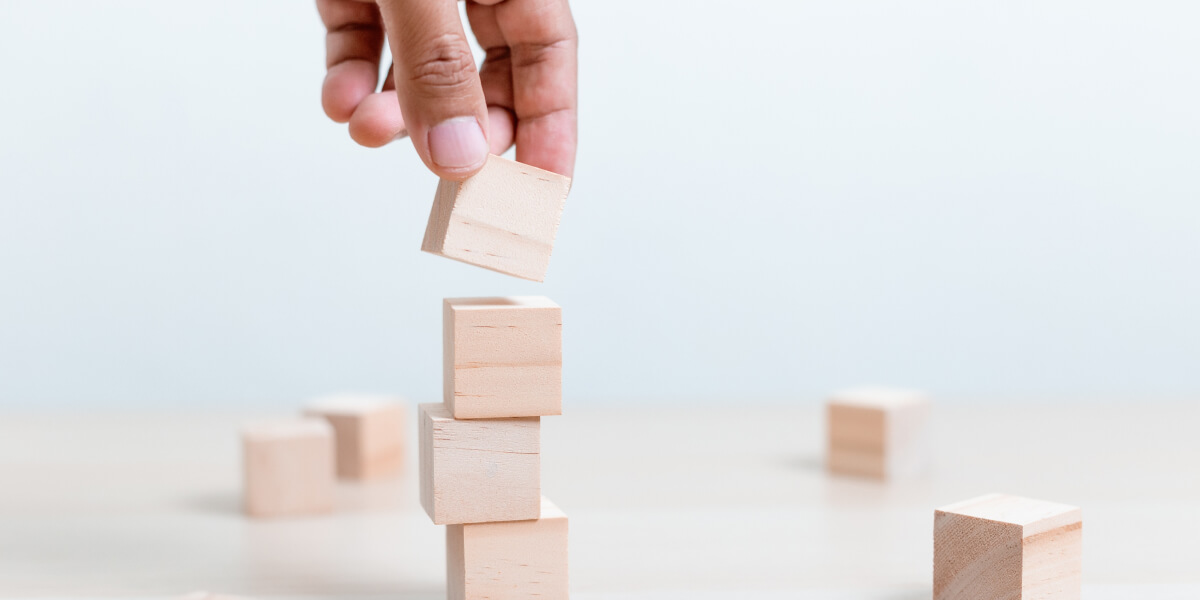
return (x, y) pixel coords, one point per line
(439, 414)
(498, 303)
(287, 429)
(878, 397)
(550, 511)
(1034, 516)
(352, 405)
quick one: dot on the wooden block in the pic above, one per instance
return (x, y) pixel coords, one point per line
(502, 357)
(368, 431)
(504, 218)
(513, 560)
(288, 467)
(1006, 547)
(479, 470)
(877, 432)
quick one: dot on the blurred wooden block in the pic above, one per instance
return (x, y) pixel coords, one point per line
(369, 433)
(514, 560)
(479, 470)
(877, 432)
(502, 357)
(998, 546)
(288, 467)
(504, 218)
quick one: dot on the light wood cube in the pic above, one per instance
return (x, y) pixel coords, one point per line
(514, 560)
(877, 432)
(369, 433)
(502, 357)
(504, 218)
(288, 467)
(479, 470)
(1007, 547)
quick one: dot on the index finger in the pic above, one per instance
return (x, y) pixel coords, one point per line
(544, 43)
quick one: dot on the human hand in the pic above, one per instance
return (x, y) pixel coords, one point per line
(525, 93)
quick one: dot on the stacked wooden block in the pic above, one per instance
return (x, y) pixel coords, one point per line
(481, 449)
(290, 464)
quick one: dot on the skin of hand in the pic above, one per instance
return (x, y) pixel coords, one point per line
(525, 93)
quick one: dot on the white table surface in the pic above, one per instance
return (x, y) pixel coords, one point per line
(695, 502)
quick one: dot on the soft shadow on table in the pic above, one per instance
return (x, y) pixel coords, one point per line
(806, 462)
(213, 503)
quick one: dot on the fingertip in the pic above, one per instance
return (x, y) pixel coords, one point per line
(457, 148)
(377, 120)
(346, 85)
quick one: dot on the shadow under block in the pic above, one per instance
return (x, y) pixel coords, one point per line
(502, 357)
(288, 467)
(504, 218)
(998, 547)
(877, 432)
(368, 431)
(514, 560)
(479, 470)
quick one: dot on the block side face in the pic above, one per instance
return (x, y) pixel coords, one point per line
(288, 477)
(507, 362)
(456, 562)
(448, 327)
(857, 463)
(425, 450)
(856, 428)
(439, 216)
(483, 470)
(1052, 564)
(346, 436)
(381, 443)
(516, 560)
(906, 440)
(975, 558)
(505, 218)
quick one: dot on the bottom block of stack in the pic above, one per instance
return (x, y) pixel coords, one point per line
(509, 559)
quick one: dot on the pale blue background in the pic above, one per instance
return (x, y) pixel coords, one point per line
(773, 199)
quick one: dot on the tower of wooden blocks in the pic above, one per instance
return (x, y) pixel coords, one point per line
(877, 432)
(998, 546)
(481, 450)
(368, 432)
(504, 218)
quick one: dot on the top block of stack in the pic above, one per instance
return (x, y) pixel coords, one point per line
(504, 218)
(502, 357)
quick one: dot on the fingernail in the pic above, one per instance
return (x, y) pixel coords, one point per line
(457, 143)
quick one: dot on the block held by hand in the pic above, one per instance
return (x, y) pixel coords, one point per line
(504, 218)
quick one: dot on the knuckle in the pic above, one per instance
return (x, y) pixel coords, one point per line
(446, 63)
(530, 54)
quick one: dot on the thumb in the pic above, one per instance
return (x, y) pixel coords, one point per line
(437, 82)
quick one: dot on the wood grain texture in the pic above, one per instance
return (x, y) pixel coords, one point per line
(502, 357)
(368, 431)
(877, 432)
(479, 470)
(515, 560)
(288, 467)
(1007, 547)
(504, 218)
